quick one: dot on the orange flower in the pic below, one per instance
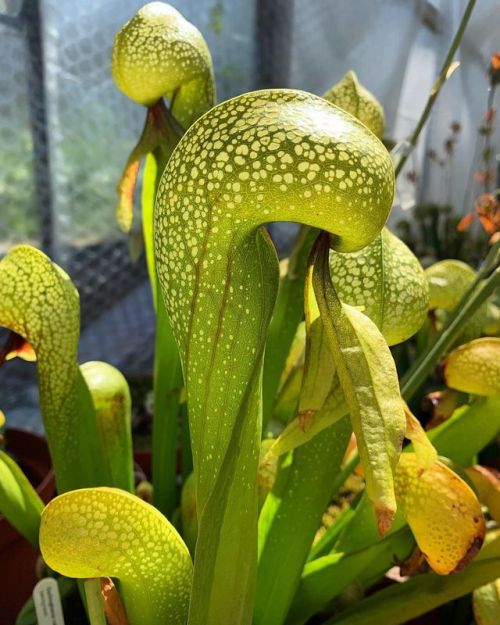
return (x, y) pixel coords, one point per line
(483, 176)
(489, 115)
(494, 68)
(486, 207)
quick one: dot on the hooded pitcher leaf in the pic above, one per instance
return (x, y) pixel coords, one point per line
(146, 64)
(39, 302)
(350, 95)
(106, 532)
(475, 367)
(263, 156)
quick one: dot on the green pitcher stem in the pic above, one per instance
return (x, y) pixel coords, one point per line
(288, 313)
(436, 88)
(167, 373)
(95, 608)
(487, 280)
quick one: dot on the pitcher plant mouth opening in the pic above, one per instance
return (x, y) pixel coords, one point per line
(317, 420)
(16, 345)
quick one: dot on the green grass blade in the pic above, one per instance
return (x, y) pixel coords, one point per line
(168, 383)
(19, 502)
(167, 371)
(290, 518)
(326, 577)
(402, 602)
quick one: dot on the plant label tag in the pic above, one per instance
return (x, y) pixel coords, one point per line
(47, 602)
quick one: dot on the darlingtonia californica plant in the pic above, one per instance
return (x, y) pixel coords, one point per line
(40, 304)
(251, 509)
(159, 54)
(264, 156)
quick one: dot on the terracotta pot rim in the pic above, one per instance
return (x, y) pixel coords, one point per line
(49, 476)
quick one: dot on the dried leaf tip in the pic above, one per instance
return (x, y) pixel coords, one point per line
(385, 517)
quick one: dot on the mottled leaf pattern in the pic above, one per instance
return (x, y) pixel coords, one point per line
(369, 380)
(486, 603)
(159, 53)
(475, 367)
(442, 511)
(263, 156)
(39, 302)
(350, 95)
(387, 283)
(106, 532)
(448, 281)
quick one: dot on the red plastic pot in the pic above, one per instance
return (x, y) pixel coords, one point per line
(17, 556)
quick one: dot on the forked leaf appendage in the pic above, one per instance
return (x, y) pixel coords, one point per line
(442, 512)
(369, 381)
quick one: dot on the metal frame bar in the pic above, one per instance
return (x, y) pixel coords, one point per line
(274, 30)
(31, 26)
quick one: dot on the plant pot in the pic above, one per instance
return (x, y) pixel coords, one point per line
(17, 556)
(143, 461)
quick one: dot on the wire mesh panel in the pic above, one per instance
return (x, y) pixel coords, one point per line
(92, 127)
(65, 133)
(19, 217)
